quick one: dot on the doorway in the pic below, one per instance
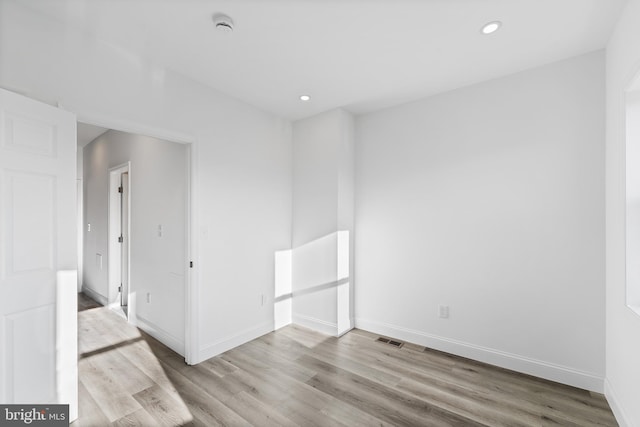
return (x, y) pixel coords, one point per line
(158, 294)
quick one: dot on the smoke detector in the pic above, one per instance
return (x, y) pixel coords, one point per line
(223, 23)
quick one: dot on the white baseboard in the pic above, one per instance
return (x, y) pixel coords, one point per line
(614, 403)
(233, 341)
(538, 368)
(94, 295)
(160, 334)
(315, 324)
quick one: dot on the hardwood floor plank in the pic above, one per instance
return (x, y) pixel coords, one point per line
(352, 416)
(135, 419)
(278, 360)
(291, 395)
(113, 364)
(256, 412)
(482, 408)
(356, 363)
(303, 414)
(140, 355)
(221, 388)
(114, 401)
(461, 378)
(203, 405)
(306, 337)
(219, 366)
(394, 407)
(438, 385)
(89, 411)
(570, 409)
(90, 336)
(166, 410)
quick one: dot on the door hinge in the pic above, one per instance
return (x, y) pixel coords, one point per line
(120, 288)
(120, 239)
(190, 264)
(120, 189)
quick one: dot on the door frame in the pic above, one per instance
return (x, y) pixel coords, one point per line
(192, 275)
(113, 232)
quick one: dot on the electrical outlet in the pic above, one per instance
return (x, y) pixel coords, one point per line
(443, 311)
(88, 226)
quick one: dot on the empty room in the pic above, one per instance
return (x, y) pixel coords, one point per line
(320, 212)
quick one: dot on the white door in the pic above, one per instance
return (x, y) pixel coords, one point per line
(37, 239)
(124, 233)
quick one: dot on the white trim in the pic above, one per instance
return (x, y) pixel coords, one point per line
(109, 122)
(315, 324)
(160, 334)
(81, 228)
(538, 368)
(621, 417)
(346, 330)
(94, 295)
(192, 290)
(67, 339)
(233, 341)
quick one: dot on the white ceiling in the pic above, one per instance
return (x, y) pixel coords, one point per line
(358, 54)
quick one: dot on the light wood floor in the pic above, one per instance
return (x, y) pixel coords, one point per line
(298, 377)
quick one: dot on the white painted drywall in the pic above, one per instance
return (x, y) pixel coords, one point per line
(242, 159)
(158, 180)
(632, 185)
(623, 325)
(490, 199)
(323, 173)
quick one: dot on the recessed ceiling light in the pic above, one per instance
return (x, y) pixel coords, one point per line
(223, 23)
(305, 98)
(491, 27)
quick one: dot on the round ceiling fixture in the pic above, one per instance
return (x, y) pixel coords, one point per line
(223, 23)
(491, 27)
(305, 98)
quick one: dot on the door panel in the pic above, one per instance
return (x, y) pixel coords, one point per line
(31, 135)
(29, 378)
(37, 239)
(29, 243)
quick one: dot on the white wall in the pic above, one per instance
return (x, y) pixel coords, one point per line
(623, 325)
(632, 189)
(242, 159)
(323, 174)
(490, 199)
(158, 189)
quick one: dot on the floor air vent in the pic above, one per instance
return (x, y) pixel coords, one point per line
(390, 342)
